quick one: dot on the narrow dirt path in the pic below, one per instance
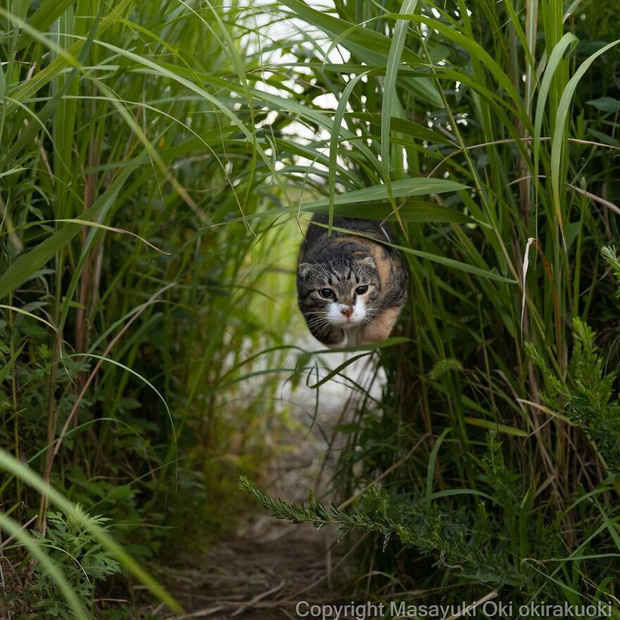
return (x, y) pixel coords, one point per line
(258, 577)
(270, 566)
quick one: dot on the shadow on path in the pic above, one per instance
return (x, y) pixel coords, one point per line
(263, 574)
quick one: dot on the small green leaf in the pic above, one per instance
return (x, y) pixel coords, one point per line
(501, 428)
(606, 104)
(403, 188)
(557, 144)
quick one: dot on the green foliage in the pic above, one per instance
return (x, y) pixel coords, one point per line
(609, 254)
(82, 560)
(125, 313)
(585, 395)
(459, 541)
(505, 99)
(156, 156)
(444, 366)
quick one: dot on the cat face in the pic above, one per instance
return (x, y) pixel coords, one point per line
(339, 293)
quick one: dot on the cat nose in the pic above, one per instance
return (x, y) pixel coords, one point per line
(346, 311)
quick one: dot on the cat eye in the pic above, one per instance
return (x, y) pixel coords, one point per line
(360, 290)
(326, 293)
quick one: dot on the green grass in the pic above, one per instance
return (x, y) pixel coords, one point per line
(157, 161)
(513, 485)
(124, 311)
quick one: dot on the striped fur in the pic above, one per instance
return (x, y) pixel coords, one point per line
(350, 288)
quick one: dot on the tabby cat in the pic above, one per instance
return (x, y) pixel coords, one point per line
(351, 289)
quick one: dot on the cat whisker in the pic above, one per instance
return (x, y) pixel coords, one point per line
(323, 329)
(317, 326)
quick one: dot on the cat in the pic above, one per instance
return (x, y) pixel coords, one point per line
(350, 289)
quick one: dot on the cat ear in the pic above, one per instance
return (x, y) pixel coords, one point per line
(369, 261)
(304, 269)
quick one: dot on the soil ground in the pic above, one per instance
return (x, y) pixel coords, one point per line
(261, 575)
(271, 566)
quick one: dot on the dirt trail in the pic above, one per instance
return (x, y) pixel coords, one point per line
(259, 577)
(271, 566)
